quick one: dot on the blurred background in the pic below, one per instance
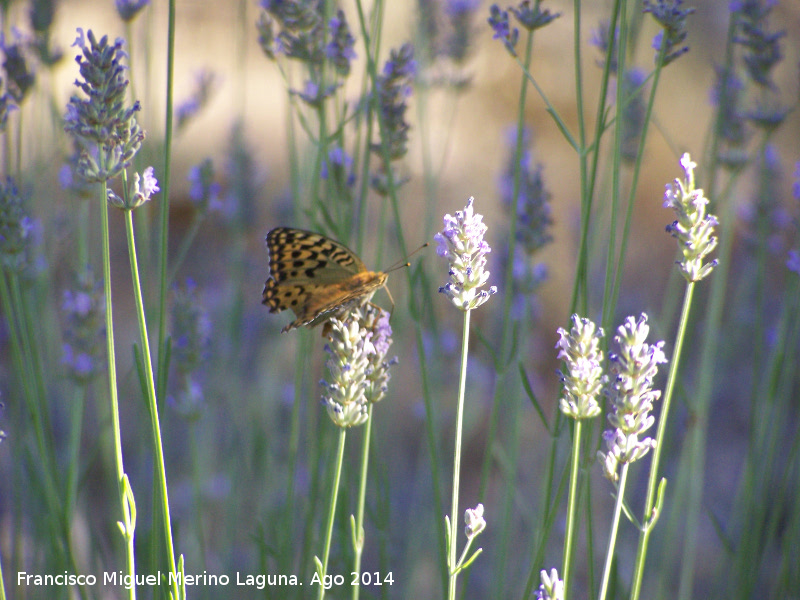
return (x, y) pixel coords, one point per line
(228, 447)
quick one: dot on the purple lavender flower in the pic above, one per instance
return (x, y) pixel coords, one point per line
(633, 370)
(128, 9)
(191, 329)
(340, 48)
(394, 86)
(101, 123)
(533, 198)
(339, 168)
(20, 77)
(531, 16)
(762, 47)
(601, 39)
(498, 21)
(461, 243)
(671, 15)
(204, 192)
(83, 309)
(693, 229)
(204, 86)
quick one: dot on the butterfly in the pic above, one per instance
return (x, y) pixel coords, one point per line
(315, 276)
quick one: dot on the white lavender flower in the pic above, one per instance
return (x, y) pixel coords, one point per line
(552, 588)
(475, 523)
(141, 190)
(461, 243)
(583, 380)
(694, 229)
(350, 346)
(633, 369)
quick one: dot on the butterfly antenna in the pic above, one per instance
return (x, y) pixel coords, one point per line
(404, 263)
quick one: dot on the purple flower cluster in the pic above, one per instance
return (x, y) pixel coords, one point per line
(106, 130)
(84, 328)
(671, 15)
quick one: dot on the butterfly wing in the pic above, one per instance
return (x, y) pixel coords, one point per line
(314, 276)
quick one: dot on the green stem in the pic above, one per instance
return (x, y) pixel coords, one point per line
(166, 177)
(572, 506)
(161, 472)
(644, 534)
(358, 529)
(332, 510)
(454, 521)
(612, 538)
(128, 533)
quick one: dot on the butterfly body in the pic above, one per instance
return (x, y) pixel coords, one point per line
(314, 276)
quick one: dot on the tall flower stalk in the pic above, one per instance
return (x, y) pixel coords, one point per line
(583, 379)
(694, 229)
(461, 243)
(357, 379)
(109, 137)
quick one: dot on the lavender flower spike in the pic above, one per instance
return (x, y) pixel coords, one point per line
(633, 369)
(583, 381)
(349, 346)
(461, 243)
(693, 229)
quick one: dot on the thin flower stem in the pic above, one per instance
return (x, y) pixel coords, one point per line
(112, 383)
(161, 472)
(644, 535)
(358, 533)
(572, 506)
(166, 178)
(332, 510)
(454, 520)
(612, 538)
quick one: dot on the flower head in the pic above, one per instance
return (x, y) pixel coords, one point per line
(143, 188)
(762, 47)
(552, 588)
(393, 88)
(461, 243)
(532, 200)
(671, 15)
(349, 347)
(498, 21)
(633, 369)
(693, 229)
(580, 350)
(106, 130)
(532, 17)
(128, 9)
(339, 50)
(475, 523)
(18, 72)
